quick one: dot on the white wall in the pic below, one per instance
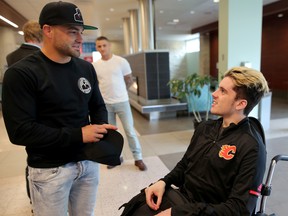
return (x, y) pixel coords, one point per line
(181, 63)
(7, 44)
(177, 57)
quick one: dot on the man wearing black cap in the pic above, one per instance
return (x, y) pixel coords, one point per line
(52, 105)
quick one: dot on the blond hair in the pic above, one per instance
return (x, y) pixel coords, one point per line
(250, 85)
(32, 31)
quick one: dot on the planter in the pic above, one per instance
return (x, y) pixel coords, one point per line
(196, 90)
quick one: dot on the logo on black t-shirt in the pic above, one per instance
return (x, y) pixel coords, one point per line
(84, 85)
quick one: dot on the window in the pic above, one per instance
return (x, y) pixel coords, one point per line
(193, 44)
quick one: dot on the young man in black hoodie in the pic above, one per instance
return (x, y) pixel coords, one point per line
(222, 170)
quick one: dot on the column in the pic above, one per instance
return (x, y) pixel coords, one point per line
(134, 29)
(126, 33)
(240, 30)
(146, 9)
(240, 35)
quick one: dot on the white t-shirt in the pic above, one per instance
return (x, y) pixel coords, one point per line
(110, 75)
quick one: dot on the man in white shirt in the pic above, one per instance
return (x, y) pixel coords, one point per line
(114, 76)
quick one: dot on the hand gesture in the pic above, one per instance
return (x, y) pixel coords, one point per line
(93, 133)
(155, 190)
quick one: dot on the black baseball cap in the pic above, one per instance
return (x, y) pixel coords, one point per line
(62, 13)
(106, 151)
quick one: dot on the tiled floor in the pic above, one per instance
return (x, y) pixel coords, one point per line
(163, 144)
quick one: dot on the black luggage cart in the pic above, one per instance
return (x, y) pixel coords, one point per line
(267, 187)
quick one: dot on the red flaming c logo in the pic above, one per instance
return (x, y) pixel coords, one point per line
(227, 152)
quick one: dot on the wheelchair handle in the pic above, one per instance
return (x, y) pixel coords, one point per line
(267, 186)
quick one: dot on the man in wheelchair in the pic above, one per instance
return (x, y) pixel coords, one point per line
(222, 170)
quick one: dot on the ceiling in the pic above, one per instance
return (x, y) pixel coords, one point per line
(107, 15)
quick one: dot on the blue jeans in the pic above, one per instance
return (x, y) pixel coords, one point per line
(123, 110)
(69, 188)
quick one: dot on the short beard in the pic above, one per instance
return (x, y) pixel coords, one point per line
(67, 51)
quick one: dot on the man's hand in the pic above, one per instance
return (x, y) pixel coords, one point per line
(155, 190)
(93, 133)
(166, 212)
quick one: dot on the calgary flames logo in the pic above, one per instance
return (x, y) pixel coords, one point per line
(227, 152)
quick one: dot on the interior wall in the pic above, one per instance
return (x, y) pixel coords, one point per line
(214, 53)
(177, 57)
(117, 47)
(274, 62)
(7, 44)
(192, 60)
(204, 58)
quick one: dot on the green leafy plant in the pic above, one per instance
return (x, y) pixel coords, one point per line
(191, 89)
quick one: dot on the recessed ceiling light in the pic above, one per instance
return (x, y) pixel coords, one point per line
(175, 20)
(280, 15)
(111, 9)
(107, 18)
(192, 12)
(216, 1)
(171, 23)
(161, 11)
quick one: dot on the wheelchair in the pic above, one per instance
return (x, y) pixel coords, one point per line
(256, 127)
(267, 187)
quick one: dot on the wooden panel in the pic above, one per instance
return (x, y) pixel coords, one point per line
(214, 53)
(274, 64)
(275, 7)
(10, 13)
(206, 28)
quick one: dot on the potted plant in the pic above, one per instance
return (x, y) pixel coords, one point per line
(192, 88)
